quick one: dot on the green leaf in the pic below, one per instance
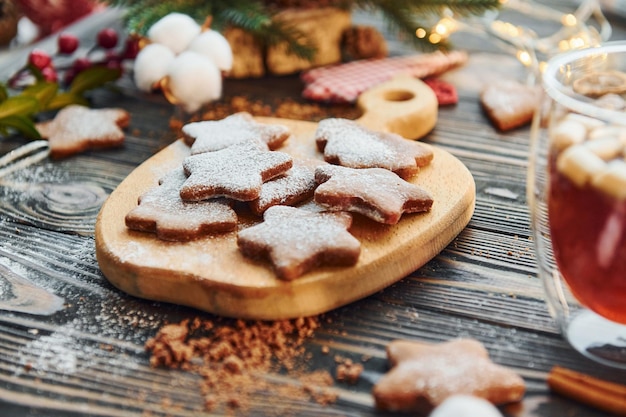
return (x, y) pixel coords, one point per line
(44, 92)
(93, 77)
(22, 124)
(65, 99)
(4, 94)
(19, 105)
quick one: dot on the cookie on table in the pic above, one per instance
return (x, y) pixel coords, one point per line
(76, 128)
(296, 241)
(294, 186)
(376, 193)
(510, 104)
(236, 172)
(345, 142)
(213, 135)
(161, 211)
(424, 375)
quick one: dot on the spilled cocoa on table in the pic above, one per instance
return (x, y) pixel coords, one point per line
(239, 360)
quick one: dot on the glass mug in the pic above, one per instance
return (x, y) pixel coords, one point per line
(577, 197)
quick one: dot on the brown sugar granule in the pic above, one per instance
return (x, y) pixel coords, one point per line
(239, 359)
(285, 108)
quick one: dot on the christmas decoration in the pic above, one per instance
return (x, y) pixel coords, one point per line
(286, 36)
(184, 60)
(46, 84)
(52, 15)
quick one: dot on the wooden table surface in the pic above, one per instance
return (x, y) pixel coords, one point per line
(72, 345)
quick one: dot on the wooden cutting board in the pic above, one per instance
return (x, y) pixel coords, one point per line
(210, 273)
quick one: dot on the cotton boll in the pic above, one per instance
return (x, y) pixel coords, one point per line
(212, 44)
(193, 80)
(151, 65)
(176, 31)
(465, 406)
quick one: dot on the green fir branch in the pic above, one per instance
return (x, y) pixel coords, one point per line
(257, 17)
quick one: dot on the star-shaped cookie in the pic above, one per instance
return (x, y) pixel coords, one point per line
(213, 135)
(77, 128)
(163, 212)
(297, 240)
(347, 143)
(423, 375)
(237, 172)
(376, 193)
(296, 185)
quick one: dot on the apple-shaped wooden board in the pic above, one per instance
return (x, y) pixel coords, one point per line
(212, 275)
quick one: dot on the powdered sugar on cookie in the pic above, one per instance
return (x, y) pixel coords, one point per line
(208, 136)
(296, 185)
(376, 193)
(345, 142)
(77, 128)
(296, 241)
(235, 172)
(163, 212)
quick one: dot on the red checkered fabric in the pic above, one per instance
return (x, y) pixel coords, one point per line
(344, 83)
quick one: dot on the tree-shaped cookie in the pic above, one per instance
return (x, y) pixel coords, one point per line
(236, 172)
(423, 375)
(77, 128)
(297, 240)
(347, 143)
(376, 193)
(213, 135)
(163, 212)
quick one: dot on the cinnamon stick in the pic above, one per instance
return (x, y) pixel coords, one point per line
(594, 392)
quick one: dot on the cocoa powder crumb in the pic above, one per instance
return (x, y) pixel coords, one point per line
(239, 360)
(349, 372)
(286, 108)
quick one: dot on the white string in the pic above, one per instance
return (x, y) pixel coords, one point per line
(24, 156)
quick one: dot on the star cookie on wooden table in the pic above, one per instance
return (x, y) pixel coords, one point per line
(347, 143)
(236, 172)
(423, 375)
(163, 212)
(77, 128)
(213, 135)
(376, 193)
(297, 240)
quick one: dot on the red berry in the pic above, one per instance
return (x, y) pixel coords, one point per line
(39, 59)
(50, 74)
(131, 48)
(81, 64)
(107, 38)
(68, 43)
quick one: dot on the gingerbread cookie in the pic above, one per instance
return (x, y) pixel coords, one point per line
(163, 212)
(213, 135)
(423, 375)
(509, 104)
(296, 240)
(77, 128)
(236, 172)
(347, 143)
(296, 185)
(376, 193)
